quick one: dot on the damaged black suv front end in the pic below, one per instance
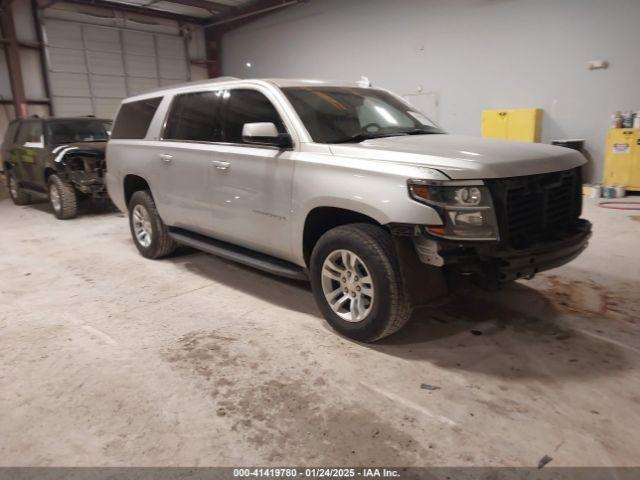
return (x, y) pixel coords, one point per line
(503, 229)
(82, 165)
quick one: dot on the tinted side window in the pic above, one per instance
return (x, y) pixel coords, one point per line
(134, 118)
(248, 106)
(29, 133)
(195, 116)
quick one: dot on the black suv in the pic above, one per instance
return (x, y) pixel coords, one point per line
(61, 158)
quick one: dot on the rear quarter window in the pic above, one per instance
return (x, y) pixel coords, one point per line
(134, 118)
(30, 134)
(195, 117)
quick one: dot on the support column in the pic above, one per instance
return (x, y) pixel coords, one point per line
(12, 51)
(213, 50)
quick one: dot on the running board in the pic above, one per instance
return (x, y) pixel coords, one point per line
(238, 254)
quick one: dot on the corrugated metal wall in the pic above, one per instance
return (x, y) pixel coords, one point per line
(98, 56)
(34, 84)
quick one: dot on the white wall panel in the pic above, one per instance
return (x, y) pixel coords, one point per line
(121, 62)
(101, 39)
(106, 107)
(67, 60)
(30, 62)
(138, 43)
(139, 85)
(105, 62)
(173, 69)
(141, 66)
(23, 21)
(108, 86)
(63, 34)
(69, 84)
(170, 46)
(72, 107)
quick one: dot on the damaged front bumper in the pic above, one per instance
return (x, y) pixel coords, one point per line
(85, 170)
(494, 263)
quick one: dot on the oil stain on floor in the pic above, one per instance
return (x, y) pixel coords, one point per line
(277, 412)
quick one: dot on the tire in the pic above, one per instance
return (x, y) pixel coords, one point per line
(143, 215)
(16, 193)
(372, 252)
(62, 198)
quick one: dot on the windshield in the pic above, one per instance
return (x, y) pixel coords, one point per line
(341, 115)
(77, 130)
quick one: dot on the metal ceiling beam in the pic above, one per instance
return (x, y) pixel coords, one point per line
(122, 7)
(212, 7)
(247, 14)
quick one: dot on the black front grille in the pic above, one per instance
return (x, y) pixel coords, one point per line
(537, 208)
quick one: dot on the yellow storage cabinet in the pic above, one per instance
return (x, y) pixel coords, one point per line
(622, 158)
(520, 124)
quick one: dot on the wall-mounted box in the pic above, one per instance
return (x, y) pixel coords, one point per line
(520, 124)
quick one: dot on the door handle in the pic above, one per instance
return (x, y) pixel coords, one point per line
(166, 158)
(220, 165)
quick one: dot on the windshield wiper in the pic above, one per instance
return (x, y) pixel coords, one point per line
(361, 137)
(420, 131)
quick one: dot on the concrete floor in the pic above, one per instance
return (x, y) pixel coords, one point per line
(111, 359)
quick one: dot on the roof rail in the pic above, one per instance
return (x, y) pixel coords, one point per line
(187, 84)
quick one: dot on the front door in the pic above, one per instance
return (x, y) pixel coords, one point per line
(251, 185)
(27, 155)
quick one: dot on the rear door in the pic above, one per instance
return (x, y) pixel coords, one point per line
(186, 152)
(27, 153)
(8, 142)
(251, 184)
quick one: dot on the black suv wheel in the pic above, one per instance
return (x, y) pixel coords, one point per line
(17, 194)
(149, 232)
(62, 198)
(357, 283)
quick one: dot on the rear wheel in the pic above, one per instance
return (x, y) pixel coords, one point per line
(357, 283)
(17, 194)
(149, 232)
(62, 198)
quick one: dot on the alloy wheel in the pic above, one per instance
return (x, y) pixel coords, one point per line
(347, 285)
(142, 225)
(13, 186)
(54, 197)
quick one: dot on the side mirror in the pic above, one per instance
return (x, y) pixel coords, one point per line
(265, 133)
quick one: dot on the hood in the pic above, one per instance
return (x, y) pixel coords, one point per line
(463, 157)
(86, 149)
(98, 146)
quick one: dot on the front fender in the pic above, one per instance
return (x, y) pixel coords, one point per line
(375, 189)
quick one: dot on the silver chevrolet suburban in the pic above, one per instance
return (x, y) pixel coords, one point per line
(347, 186)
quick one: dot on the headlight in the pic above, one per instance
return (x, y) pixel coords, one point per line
(466, 210)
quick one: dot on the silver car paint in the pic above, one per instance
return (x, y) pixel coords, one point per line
(462, 157)
(263, 198)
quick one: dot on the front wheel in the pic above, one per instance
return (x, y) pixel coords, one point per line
(357, 284)
(62, 198)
